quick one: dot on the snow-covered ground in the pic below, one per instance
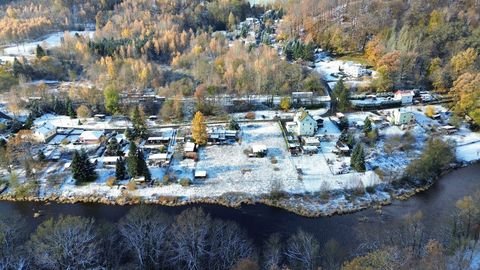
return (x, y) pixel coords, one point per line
(230, 170)
(49, 41)
(62, 121)
(329, 69)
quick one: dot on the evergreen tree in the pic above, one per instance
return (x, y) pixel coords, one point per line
(199, 129)
(17, 67)
(113, 148)
(139, 125)
(357, 159)
(41, 155)
(39, 52)
(132, 161)
(367, 127)
(136, 165)
(83, 170)
(120, 170)
(129, 134)
(70, 111)
(142, 168)
(342, 96)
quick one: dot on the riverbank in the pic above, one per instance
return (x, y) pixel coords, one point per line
(306, 205)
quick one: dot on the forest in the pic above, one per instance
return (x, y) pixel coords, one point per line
(147, 238)
(179, 49)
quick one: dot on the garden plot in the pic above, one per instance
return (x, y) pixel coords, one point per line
(231, 170)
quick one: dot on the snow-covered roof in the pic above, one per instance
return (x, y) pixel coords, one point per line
(200, 173)
(45, 129)
(405, 92)
(91, 135)
(189, 147)
(160, 156)
(259, 148)
(110, 159)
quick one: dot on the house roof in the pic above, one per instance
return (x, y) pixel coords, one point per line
(302, 114)
(110, 159)
(189, 147)
(45, 129)
(259, 148)
(160, 156)
(405, 92)
(91, 135)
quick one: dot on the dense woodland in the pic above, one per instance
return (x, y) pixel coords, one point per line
(173, 46)
(146, 238)
(412, 44)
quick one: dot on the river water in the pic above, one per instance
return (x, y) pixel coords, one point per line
(260, 221)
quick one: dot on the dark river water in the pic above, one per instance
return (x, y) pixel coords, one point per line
(260, 221)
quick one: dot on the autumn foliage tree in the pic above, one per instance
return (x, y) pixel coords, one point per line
(199, 129)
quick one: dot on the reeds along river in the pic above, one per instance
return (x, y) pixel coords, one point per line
(260, 221)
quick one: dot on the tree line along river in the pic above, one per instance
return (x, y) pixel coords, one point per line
(260, 221)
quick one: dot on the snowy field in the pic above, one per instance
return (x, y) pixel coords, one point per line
(327, 66)
(230, 170)
(49, 41)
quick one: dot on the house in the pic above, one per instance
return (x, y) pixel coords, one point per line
(311, 141)
(305, 124)
(44, 132)
(160, 159)
(258, 150)
(342, 147)
(402, 117)
(405, 96)
(99, 117)
(110, 161)
(200, 174)
(91, 137)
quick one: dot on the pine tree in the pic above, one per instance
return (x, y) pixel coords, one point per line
(342, 96)
(139, 125)
(70, 111)
(199, 129)
(357, 159)
(83, 170)
(367, 127)
(129, 134)
(132, 162)
(120, 170)
(39, 52)
(113, 148)
(142, 168)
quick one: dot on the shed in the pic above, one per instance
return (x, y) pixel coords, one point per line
(200, 174)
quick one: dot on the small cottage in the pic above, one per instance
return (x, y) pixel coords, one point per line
(405, 96)
(91, 137)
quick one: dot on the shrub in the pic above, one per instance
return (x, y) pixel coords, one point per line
(131, 186)
(185, 182)
(250, 115)
(111, 181)
(274, 160)
(370, 189)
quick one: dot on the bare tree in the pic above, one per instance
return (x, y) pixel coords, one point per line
(12, 236)
(229, 244)
(67, 243)
(189, 239)
(272, 252)
(144, 233)
(302, 251)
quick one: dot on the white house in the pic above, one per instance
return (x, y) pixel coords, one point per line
(91, 137)
(402, 117)
(44, 132)
(305, 124)
(405, 96)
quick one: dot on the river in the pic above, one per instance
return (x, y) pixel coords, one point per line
(260, 220)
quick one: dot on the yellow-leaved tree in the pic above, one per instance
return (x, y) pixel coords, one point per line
(466, 94)
(199, 129)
